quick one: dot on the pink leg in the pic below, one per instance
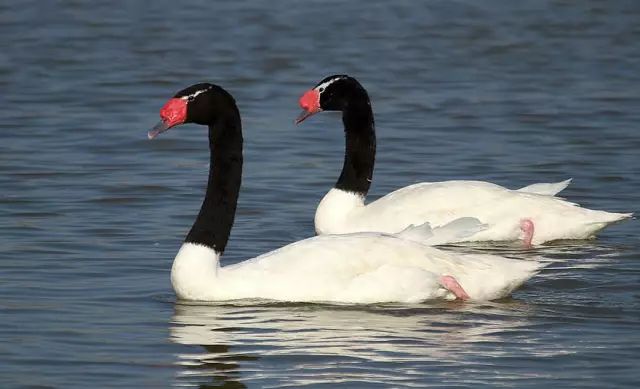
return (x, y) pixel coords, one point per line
(526, 225)
(452, 285)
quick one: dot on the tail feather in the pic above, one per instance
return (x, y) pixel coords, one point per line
(500, 278)
(607, 217)
(545, 188)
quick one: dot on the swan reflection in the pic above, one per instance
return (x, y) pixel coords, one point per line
(299, 344)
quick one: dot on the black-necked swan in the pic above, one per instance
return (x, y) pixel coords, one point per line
(532, 213)
(353, 268)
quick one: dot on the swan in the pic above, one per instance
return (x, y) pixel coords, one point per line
(353, 268)
(532, 213)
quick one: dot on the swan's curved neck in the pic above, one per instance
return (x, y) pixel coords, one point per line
(213, 224)
(360, 151)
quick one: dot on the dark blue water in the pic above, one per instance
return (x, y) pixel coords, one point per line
(92, 213)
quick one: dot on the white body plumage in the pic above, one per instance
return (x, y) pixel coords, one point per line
(501, 209)
(352, 268)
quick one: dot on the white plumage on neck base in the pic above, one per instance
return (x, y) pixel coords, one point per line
(195, 271)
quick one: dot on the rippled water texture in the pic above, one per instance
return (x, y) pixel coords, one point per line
(92, 213)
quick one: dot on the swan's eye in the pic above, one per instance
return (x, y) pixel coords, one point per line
(321, 89)
(191, 98)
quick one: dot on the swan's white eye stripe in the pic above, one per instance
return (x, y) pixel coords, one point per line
(321, 87)
(194, 94)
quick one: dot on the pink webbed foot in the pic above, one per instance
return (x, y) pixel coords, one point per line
(452, 285)
(527, 227)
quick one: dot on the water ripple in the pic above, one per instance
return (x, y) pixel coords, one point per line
(92, 213)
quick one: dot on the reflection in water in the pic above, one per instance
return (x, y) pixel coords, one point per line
(216, 361)
(302, 344)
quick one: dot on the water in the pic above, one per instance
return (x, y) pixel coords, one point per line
(92, 213)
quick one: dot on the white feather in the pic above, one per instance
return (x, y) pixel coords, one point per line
(321, 87)
(452, 232)
(353, 268)
(546, 188)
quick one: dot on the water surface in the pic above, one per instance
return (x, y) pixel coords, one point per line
(92, 213)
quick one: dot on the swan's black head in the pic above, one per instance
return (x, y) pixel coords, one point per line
(199, 104)
(334, 93)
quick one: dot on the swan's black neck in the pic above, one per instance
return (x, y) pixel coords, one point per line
(213, 224)
(360, 151)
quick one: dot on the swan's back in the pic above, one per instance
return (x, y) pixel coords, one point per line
(368, 268)
(500, 208)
